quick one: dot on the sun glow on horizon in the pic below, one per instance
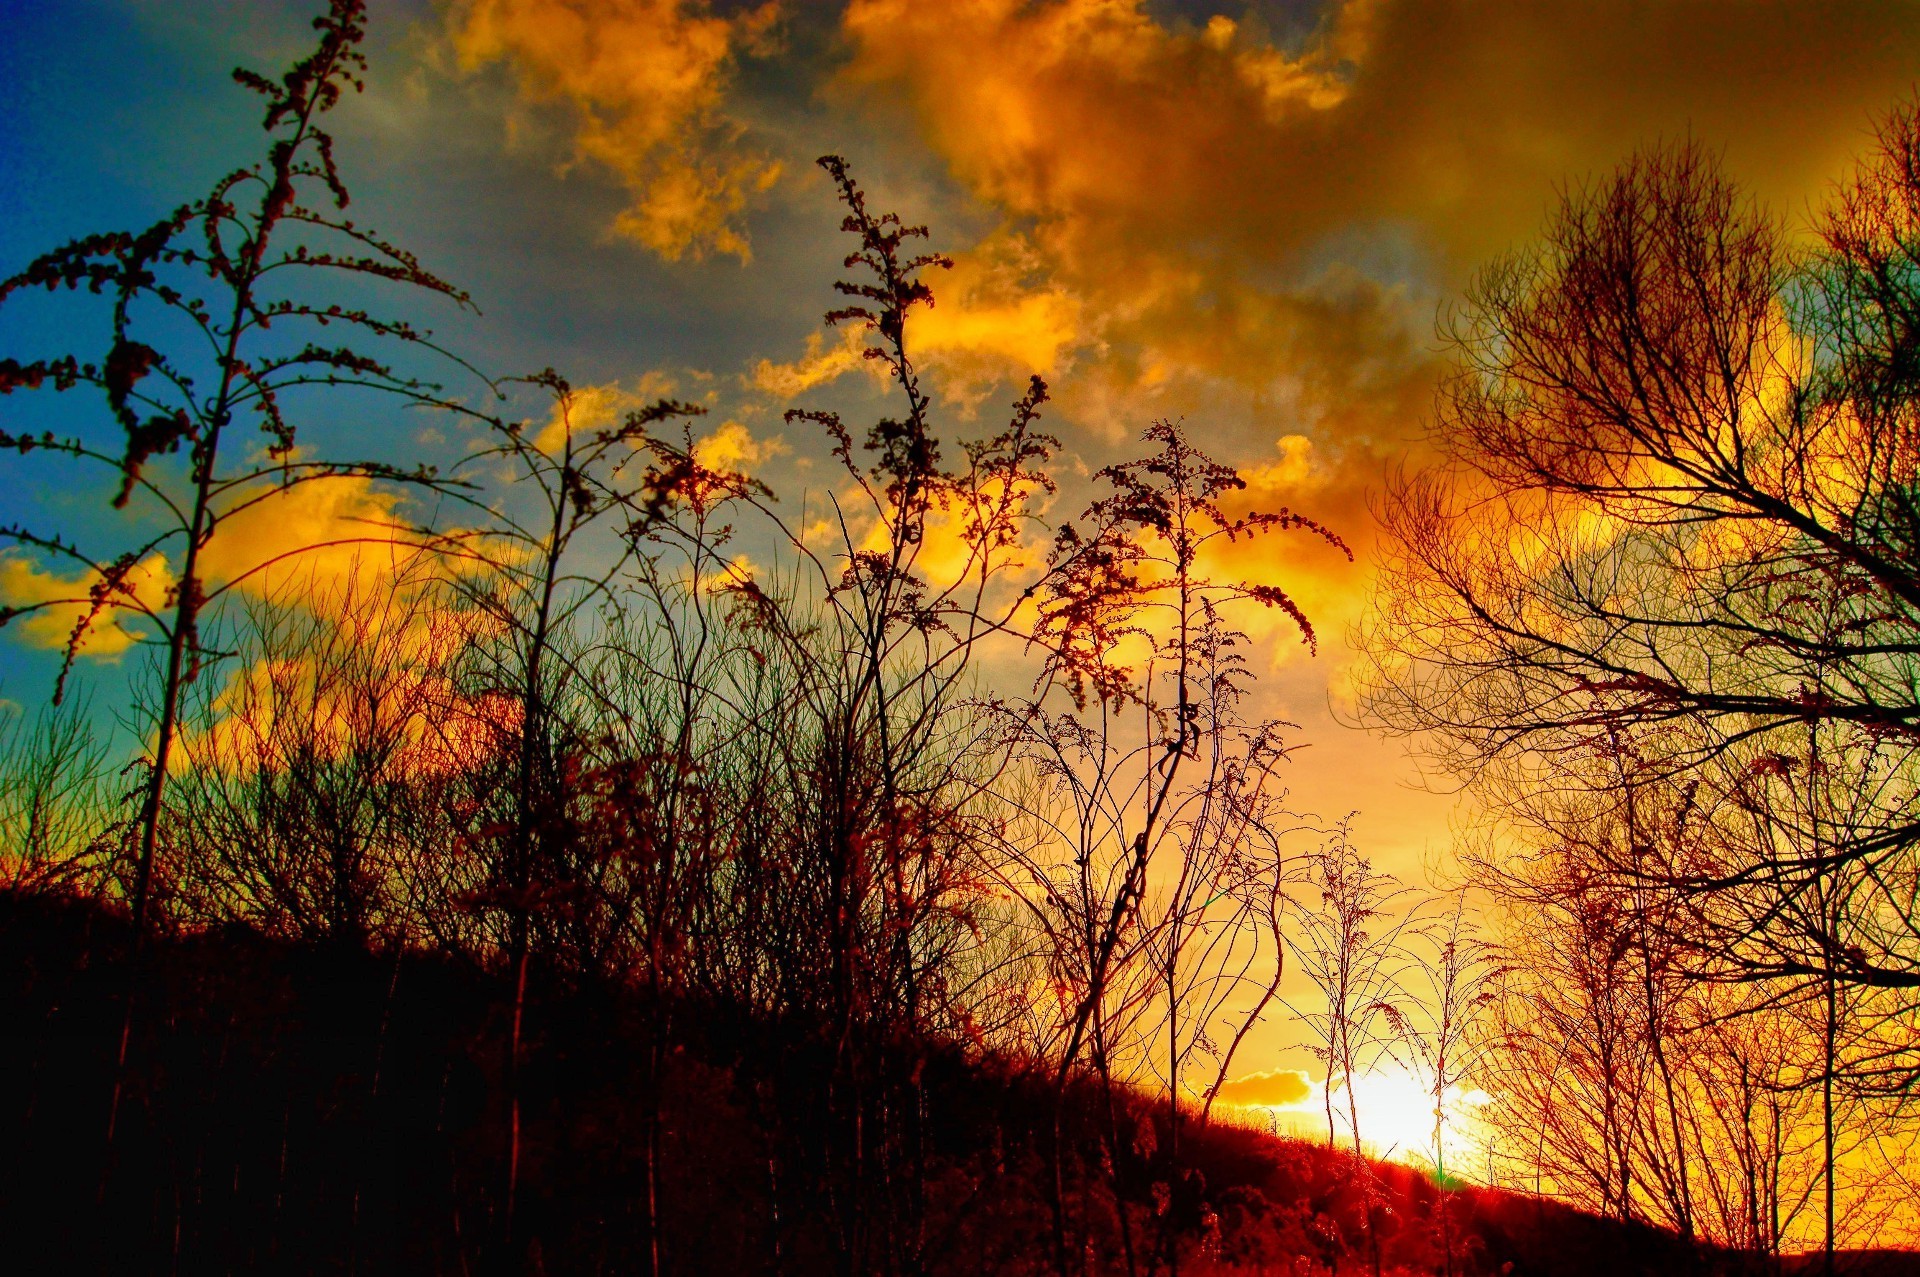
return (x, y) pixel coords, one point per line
(1396, 1112)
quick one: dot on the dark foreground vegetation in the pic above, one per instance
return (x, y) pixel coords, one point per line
(307, 1108)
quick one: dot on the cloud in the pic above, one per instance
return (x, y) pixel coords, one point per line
(1328, 483)
(949, 552)
(319, 536)
(318, 539)
(998, 315)
(1276, 1088)
(1226, 212)
(645, 83)
(593, 408)
(733, 449)
(1131, 152)
(369, 671)
(1112, 129)
(1163, 245)
(1256, 235)
(60, 602)
(821, 364)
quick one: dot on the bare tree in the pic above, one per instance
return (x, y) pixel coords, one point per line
(1665, 582)
(1666, 497)
(1437, 1029)
(1351, 949)
(1137, 632)
(298, 805)
(56, 800)
(1218, 917)
(1634, 1082)
(881, 636)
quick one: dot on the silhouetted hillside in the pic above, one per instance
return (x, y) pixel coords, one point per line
(294, 1109)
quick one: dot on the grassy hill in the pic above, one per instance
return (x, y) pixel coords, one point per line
(290, 1109)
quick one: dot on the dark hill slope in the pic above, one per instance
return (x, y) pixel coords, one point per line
(293, 1109)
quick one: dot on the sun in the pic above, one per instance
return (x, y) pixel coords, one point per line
(1397, 1120)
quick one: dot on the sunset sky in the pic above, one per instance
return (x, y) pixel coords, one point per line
(1247, 217)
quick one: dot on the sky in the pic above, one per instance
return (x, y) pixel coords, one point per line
(1247, 217)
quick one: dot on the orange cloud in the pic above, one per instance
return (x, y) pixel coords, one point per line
(1329, 484)
(325, 534)
(645, 82)
(949, 550)
(821, 364)
(60, 602)
(369, 670)
(732, 448)
(320, 538)
(1188, 186)
(1113, 129)
(1275, 1088)
(998, 316)
(1256, 235)
(594, 408)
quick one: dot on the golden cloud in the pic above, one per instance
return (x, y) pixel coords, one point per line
(1114, 130)
(322, 538)
(1275, 1088)
(821, 364)
(588, 409)
(1231, 227)
(645, 81)
(1223, 210)
(370, 673)
(998, 316)
(60, 603)
(950, 553)
(323, 534)
(1328, 484)
(733, 449)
